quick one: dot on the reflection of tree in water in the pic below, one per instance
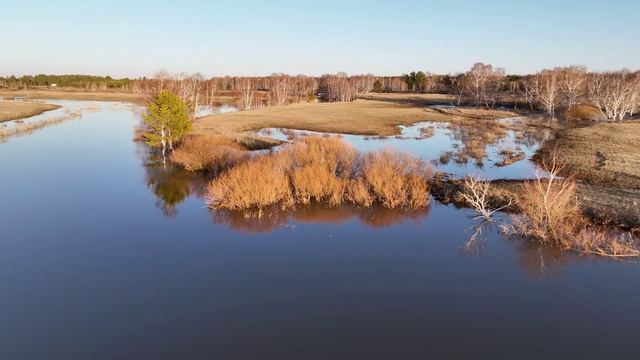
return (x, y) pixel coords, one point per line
(532, 136)
(275, 218)
(170, 184)
(537, 260)
(541, 261)
(475, 138)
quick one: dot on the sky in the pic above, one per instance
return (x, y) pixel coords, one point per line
(137, 38)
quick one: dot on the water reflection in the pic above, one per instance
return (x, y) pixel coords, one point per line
(170, 184)
(275, 218)
(541, 262)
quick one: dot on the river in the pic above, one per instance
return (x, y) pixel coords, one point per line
(106, 254)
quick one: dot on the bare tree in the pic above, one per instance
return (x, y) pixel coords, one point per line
(528, 88)
(338, 87)
(545, 84)
(614, 94)
(572, 82)
(245, 87)
(279, 89)
(483, 83)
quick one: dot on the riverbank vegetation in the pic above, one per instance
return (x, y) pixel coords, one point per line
(324, 170)
(550, 214)
(12, 110)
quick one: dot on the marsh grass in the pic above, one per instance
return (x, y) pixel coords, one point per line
(551, 215)
(22, 127)
(213, 153)
(324, 170)
(510, 156)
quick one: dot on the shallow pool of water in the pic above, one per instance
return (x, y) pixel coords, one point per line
(105, 253)
(451, 148)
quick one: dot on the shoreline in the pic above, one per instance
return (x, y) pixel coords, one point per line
(73, 95)
(17, 110)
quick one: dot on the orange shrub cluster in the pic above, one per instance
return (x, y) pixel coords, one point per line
(325, 170)
(208, 152)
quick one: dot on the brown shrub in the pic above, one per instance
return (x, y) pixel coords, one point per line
(327, 170)
(315, 182)
(358, 192)
(319, 167)
(549, 207)
(331, 153)
(257, 183)
(550, 214)
(212, 153)
(396, 179)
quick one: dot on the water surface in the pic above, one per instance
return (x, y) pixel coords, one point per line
(106, 254)
(452, 148)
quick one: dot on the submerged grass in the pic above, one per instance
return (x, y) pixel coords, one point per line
(22, 127)
(324, 170)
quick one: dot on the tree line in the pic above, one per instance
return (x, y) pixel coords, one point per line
(616, 94)
(75, 81)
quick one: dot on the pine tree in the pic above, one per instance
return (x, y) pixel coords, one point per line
(168, 118)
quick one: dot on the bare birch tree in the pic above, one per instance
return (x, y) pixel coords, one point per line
(614, 94)
(572, 82)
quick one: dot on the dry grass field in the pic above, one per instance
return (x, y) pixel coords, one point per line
(604, 153)
(361, 117)
(11, 110)
(73, 95)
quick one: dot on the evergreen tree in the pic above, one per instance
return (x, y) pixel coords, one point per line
(377, 86)
(168, 118)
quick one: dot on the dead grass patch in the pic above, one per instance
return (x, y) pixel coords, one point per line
(360, 117)
(601, 154)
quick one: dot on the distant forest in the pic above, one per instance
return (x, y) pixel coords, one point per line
(616, 94)
(74, 81)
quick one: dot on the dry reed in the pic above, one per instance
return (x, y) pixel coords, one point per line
(208, 152)
(550, 214)
(324, 170)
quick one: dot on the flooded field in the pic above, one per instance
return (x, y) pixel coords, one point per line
(107, 253)
(452, 148)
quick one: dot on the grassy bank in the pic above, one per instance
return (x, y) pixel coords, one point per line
(12, 110)
(361, 117)
(73, 95)
(605, 154)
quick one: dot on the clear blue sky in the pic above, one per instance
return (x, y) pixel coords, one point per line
(135, 38)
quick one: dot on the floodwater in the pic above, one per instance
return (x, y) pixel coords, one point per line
(107, 254)
(451, 148)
